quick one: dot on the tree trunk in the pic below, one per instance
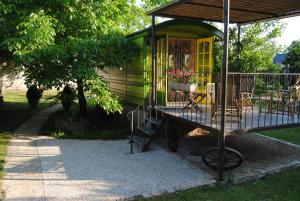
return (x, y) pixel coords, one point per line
(1, 85)
(1, 95)
(81, 99)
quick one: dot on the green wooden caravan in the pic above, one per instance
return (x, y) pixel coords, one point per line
(184, 53)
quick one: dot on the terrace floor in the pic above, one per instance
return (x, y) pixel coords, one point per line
(252, 119)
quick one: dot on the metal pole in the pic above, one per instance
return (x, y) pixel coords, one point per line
(224, 89)
(153, 46)
(131, 134)
(239, 48)
(238, 89)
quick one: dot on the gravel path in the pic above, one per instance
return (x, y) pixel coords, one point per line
(262, 155)
(43, 168)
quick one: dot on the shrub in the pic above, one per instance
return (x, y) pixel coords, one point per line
(58, 134)
(102, 96)
(67, 97)
(33, 95)
(1, 102)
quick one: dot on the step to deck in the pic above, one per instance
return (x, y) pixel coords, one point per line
(139, 140)
(147, 131)
(153, 120)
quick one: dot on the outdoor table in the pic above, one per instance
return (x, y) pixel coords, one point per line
(194, 98)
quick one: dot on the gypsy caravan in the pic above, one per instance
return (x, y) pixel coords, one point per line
(184, 62)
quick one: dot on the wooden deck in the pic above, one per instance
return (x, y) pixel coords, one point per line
(262, 100)
(251, 119)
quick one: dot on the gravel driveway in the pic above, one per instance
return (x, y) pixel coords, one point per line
(262, 155)
(42, 168)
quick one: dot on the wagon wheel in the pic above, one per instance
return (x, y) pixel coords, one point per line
(232, 158)
(171, 136)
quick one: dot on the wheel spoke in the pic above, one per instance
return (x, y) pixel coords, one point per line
(233, 157)
(226, 153)
(210, 161)
(212, 165)
(234, 162)
(230, 165)
(211, 156)
(208, 158)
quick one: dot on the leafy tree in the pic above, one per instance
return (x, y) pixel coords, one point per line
(63, 41)
(106, 99)
(292, 59)
(257, 48)
(149, 4)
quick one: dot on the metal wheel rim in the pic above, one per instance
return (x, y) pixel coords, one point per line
(232, 158)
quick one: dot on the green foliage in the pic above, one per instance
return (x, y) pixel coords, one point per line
(257, 48)
(34, 32)
(58, 134)
(33, 93)
(101, 96)
(150, 4)
(62, 34)
(64, 41)
(293, 57)
(74, 59)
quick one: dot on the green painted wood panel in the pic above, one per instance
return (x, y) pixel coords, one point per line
(129, 81)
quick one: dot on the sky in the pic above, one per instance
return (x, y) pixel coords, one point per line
(291, 32)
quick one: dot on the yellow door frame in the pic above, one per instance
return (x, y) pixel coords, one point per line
(204, 70)
(200, 68)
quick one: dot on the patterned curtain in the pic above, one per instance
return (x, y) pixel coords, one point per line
(182, 54)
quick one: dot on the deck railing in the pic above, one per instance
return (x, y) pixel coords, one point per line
(254, 101)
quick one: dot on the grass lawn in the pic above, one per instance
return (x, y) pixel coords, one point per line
(16, 109)
(287, 134)
(12, 115)
(18, 98)
(282, 187)
(4, 140)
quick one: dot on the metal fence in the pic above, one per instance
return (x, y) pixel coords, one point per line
(254, 100)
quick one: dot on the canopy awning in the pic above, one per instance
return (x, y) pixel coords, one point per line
(241, 11)
(226, 11)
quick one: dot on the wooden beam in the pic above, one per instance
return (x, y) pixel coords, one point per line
(231, 9)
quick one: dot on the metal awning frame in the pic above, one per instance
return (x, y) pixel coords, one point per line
(256, 15)
(226, 22)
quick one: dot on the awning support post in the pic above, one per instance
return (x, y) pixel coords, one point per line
(239, 48)
(153, 46)
(221, 140)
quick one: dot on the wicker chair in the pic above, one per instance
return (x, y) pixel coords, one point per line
(290, 99)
